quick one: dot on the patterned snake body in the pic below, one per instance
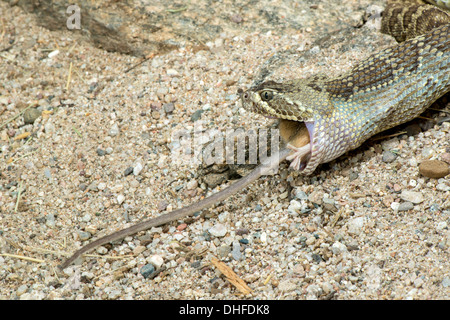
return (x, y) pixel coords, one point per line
(389, 88)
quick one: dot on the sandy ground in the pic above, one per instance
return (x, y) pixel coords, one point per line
(98, 158)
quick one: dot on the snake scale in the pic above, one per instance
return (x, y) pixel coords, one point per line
(323, 118)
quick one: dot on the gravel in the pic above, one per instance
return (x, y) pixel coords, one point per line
(98, 160)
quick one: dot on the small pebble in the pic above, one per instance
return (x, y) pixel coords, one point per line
(168, 107)
(287, 285)
(442, 187)
(156, 115)
(446, 282)
(388, 156)
(147, 270)
(196, 115)
(405, 206)
(172, 72)
(356, 225)
(48, 173)
(446, 157)
(120, 198)
(114, 131)
(21, 290)
(30, 115)
(156, 260)
(223, 251)
(353, 175)
(243, 241)
(241, 232)
(162, 205)
(101, 250)
(218, 230)
(50, 220)
(338, 248)
(412, 196)
(434, 169)
(83, 235)
(137, 168)
(101, 152)
(317, 258)
(128, 171)
(301, 195)
(101, 186)
(294, 207)
(427, 152)
(236, 252)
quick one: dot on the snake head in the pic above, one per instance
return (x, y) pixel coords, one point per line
(274, 100)
(291, 100)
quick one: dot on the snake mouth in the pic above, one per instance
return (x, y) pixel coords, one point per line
(298, 136)
(297, 133)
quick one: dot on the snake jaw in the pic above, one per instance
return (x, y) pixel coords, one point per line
(301, 156)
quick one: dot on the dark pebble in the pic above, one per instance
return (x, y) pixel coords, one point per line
(168, 107)
(11, 184)
(30, 115)
(207, 236)
(147, 270)
(101, 152)
(244, 241)
(317, 258)
(128, 171)
(196, 115)
(242, 231)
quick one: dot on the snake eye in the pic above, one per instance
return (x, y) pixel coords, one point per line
(266, 95)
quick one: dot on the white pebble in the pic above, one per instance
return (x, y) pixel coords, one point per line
(412, 196)
(101, 186)
(263, 237)
(338, 247)
(172, 72)
(218, 230)
(355, 225)
(294, 207)
(395, 205)
(441, 226)
(156, 260)
(54, 53)
(114, 131)
(120, 198)
(137, 168)
(442, 187)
